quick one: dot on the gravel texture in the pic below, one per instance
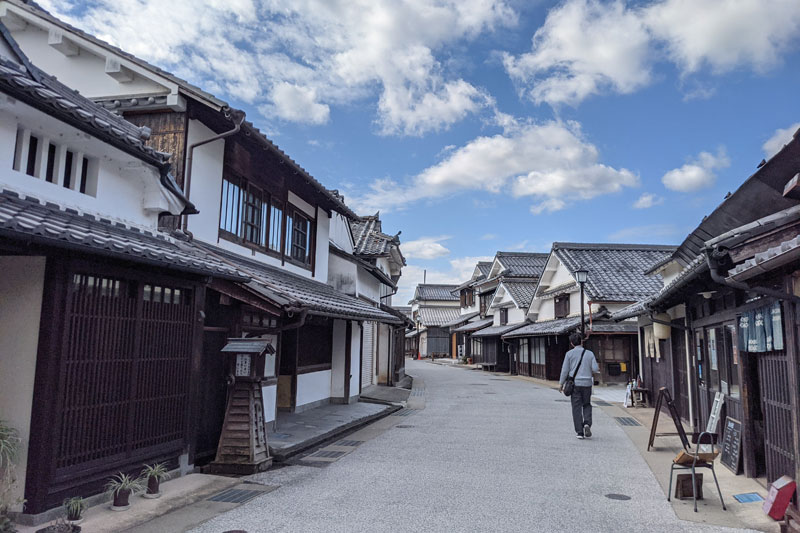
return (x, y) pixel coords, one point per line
(508, 461)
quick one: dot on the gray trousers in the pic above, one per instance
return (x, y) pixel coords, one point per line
(581, 407)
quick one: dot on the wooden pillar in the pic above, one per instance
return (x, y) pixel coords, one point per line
(791, 346)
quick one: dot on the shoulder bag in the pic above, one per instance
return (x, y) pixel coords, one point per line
(569, 383)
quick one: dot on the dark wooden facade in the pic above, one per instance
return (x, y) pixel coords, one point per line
(541, 357)
(438, 342)
(117, 376)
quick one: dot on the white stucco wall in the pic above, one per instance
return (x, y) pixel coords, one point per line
(340, 234)
(313, 387)
(368, 285)
(384, 339)
(338, 358)
(21, 285)
(270, 400)
(355, 359)
(342, 274)
(84, 71)
(121, 178)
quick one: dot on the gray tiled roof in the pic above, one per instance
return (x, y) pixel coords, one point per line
(546, 327)
(50, 225)
(460, 320)
(291, 290)
(475, 325)
(484, 267)
(496, 331)
(435, 292)
(47, 94)
(521, 291)
(437, 316)
(369, 237)
(522, 264)
(616, 271)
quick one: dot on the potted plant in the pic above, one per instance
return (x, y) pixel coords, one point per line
(74, 507)
(121, 487)
(154, 474)
(61, 525)
(9, 448)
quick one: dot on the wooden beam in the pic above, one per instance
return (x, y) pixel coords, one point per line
(117, 71)
(237, 292)
(12, 21)
(57, 41)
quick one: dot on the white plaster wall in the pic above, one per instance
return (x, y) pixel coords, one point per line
(21, 287)
(270, 400)
(323, 252)
(384, 337)
(340, 233)
(206, 186)
(355, 358)
(516, 315)
(368, 285)
(84, 72)
(121, 180)
(342, 274)
(313, 387)
(423, 344)
(338, 358)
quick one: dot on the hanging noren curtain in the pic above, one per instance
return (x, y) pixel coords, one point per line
(761, 330)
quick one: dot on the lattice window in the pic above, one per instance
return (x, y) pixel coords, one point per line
(39, 157)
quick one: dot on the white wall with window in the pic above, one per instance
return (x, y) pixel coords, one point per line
(246, 219)
(52, 161)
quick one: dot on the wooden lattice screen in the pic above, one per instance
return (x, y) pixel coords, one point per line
(124, 386)
(776, 405)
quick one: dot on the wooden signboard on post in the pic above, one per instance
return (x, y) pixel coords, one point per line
(663, 393)
(732, 444)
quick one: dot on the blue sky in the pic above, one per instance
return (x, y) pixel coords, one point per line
(484, 125)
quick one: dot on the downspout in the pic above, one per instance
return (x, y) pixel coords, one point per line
(714, 263)
(190, 154)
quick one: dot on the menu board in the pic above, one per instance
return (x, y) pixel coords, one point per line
(732, 444)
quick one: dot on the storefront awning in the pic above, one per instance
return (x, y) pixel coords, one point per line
(547, 327)
(460, 320)
(474, 326)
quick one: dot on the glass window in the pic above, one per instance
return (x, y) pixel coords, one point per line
(231, 207)
(275, 223)
(713, 335)
(730, 384)
(252, 215)
(298, 232)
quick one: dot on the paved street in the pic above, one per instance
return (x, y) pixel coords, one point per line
(487, 453)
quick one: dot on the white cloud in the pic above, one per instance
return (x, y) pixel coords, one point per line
(460, 269)
(425, 248)
(296, 59)
(781, 137)
(298, 104)
(648, 200)
(551, 163)
(489, 237)
(588, 47)
(724, 35)
(583, 48)
(654, 233)
(696, 174)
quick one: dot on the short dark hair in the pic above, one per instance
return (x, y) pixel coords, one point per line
(576, 339)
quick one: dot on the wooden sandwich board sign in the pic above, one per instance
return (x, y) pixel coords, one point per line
(732, 444)
(663, 393)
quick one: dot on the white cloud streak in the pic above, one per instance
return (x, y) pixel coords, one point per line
(551, 163)
(648, 200)
(425, 248)
(296, 59)
(696, 174)
(589, 47)
(782, 136)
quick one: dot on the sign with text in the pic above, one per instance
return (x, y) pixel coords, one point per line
(732, 444)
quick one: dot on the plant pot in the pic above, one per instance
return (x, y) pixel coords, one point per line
(74, 521)
(153, 488)
(121, 500)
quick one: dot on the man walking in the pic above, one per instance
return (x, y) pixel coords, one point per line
(582, 360)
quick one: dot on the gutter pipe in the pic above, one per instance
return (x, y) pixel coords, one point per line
(712, 259)
(190, 153)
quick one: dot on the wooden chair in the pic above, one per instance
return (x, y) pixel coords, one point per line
(692, 462)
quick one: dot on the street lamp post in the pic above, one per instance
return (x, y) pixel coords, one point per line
(581, 276)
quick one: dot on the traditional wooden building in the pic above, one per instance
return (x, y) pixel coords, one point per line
(616, 277)
(432, 307)
(730, 312)
(102, 328)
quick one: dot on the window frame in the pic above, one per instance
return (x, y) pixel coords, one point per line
(561, 306)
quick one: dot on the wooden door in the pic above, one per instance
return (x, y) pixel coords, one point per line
(777, 409)
(681, 389)
(213, 396)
